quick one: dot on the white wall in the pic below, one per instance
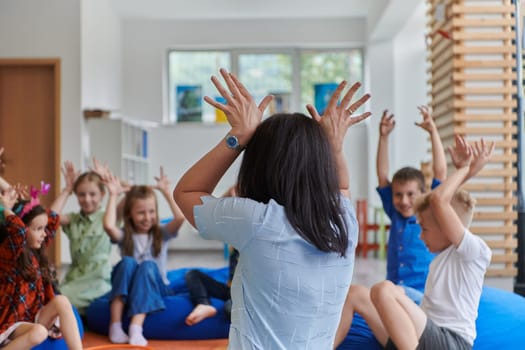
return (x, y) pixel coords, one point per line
(99, 68)
(380, 70)
(145, 47)
(49, 29)
(36, 29)
(101, 56)
(397, 71)
(123, 66)
(178, 147)
(146, 44)
(410, 88)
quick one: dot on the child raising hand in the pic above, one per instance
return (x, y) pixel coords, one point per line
(143, 246)
(28, 305)
(446, 318)
(89, 246)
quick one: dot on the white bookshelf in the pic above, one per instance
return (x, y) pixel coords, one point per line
(123, 145)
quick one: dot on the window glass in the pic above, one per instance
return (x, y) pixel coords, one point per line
(264, 74)
(189, 82)
(270, 71)
(328, 67)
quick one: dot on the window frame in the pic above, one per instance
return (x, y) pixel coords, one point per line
(170, 116)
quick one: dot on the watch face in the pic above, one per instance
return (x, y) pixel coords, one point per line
(232, 141)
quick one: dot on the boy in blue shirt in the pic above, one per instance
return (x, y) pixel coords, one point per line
(407, 257)
(446, 318)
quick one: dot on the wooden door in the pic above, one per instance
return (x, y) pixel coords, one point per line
(30, 126)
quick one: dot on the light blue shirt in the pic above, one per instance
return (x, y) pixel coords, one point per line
(286, 293)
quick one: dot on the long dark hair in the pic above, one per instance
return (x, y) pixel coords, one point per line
(289, 159)
(139, 192)
(24, 261)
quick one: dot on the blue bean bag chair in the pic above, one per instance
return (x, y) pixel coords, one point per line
(60, 344)
(500, 324)
(169, 323)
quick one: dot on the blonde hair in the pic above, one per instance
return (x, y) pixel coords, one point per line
(462, 203)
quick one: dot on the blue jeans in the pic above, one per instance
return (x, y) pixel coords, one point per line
(140, 286)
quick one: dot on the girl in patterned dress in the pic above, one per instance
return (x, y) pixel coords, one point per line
(29, 308)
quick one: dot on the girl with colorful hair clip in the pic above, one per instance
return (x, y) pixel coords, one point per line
(29, 308)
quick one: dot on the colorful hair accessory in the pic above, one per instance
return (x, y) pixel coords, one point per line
(44, 189)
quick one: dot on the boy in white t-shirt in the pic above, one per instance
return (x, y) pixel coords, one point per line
(448, 311)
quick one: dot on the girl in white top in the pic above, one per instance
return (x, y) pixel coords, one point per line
(143, 247)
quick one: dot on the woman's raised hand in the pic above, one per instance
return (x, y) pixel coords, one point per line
(337, 117)
(243, 114)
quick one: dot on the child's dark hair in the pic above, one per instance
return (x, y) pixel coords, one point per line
(139, 192)
(89, 176)
(24, 262)
(410, 174)
(289, 159)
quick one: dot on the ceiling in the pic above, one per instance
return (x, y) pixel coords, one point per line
(382, 17)
(207, 9)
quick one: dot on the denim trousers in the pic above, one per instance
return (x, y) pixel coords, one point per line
(140, 286)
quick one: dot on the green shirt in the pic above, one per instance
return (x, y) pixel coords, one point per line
(89, 275)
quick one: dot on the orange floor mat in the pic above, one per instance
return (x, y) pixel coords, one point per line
(92, 339)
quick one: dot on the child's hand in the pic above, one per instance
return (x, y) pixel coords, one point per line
(70, 175)
(461, 153)
(427, 123)
(124, 186)
(337, 117)
(112, 183)
(22, 191)
(387, 124)
(481, 155)
(101, 169)
(163, 183)
(8, 198)
(2, 164)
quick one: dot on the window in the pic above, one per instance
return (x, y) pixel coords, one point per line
(189, 70)
(264, 74)
(289, 74)
(318, 67)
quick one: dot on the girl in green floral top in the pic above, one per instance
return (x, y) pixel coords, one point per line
(88, 277)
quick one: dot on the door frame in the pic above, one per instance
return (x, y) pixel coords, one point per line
(54, 63)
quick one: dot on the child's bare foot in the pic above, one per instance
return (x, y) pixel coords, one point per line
(199, 313)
